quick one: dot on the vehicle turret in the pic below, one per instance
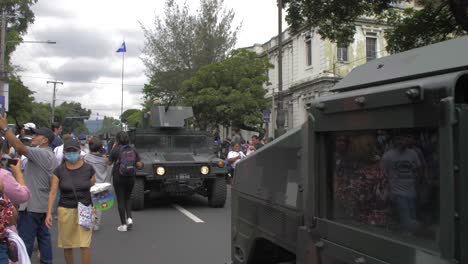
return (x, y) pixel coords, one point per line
(170, 116)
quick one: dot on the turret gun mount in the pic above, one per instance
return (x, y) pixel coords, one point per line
(174, 116)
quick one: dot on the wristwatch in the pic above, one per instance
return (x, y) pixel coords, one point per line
(4, 130)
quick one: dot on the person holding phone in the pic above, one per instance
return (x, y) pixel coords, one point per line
(37, 175)
(13, 182)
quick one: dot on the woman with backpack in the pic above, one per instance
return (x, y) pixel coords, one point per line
(126, 160)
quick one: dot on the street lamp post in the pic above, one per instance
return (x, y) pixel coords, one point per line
(3, 42)
(280, 118)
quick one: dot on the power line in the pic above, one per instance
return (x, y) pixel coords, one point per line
(100, 83)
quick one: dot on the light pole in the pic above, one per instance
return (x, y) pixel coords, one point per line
(280, 118)
(53, 101)
(3, 42)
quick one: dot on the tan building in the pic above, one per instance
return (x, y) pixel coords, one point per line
(312, 65)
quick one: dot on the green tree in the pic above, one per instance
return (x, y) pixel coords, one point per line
(41, 114)
(110, 127)
(21, 101)
(229, 92)
(135, 119)
(128, 113)
(432, 21)
(71, 115)
(19, 17)
(181, 43)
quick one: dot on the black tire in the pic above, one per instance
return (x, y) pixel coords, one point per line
(217, 193)
(138, 194)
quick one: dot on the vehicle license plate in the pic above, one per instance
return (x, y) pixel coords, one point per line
(182, 176)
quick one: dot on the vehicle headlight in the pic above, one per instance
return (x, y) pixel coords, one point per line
(160, 171)
(205, 170)
(220, 163)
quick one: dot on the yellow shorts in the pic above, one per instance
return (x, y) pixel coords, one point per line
(70, 233)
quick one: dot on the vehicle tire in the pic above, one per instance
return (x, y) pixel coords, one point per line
(138, 194)
(217, 193)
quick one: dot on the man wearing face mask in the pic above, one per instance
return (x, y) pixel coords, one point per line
(37, 175)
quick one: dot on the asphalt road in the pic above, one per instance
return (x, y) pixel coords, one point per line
(162, 234)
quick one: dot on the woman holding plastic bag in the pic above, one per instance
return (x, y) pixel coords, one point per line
(98, 159)
(74, 179)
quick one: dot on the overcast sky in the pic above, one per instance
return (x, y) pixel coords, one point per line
(88, 32)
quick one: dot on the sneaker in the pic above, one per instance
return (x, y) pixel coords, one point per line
(122, 228)
(96, 227)
(129, 223)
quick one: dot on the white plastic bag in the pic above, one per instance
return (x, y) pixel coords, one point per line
(85, 215)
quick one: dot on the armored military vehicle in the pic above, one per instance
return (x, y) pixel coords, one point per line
(178, 161)
(377, 174)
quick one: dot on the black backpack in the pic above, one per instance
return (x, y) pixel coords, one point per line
(127, 161)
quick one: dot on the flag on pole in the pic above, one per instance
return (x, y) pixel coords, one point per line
(122, 48)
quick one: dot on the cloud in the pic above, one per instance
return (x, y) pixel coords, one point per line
(88, 33)
(52, 8)
(75, 42)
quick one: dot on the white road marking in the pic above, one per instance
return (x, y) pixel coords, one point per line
(187, 213)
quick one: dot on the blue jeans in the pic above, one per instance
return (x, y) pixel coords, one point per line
(406, 207)
(3, 253)
(32, 225)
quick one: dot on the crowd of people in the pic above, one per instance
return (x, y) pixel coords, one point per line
(235, 148)
(47, 178)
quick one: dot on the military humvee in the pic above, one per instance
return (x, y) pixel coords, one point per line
(377, 174)
(178, 161)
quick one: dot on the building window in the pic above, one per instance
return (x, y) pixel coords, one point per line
(371, 48)
(342, 52)
(309, 51)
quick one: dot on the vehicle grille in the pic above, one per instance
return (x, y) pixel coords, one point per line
(173, 171)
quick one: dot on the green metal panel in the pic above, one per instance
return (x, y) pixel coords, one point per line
(374, 243)
(309, 177)
(461, 153)
(348, 255)
(447, 199)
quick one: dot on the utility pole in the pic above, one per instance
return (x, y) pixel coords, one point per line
(280, 118)
(53, 100)
(3, 26)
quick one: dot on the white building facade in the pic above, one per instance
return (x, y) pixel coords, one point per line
(312, 65)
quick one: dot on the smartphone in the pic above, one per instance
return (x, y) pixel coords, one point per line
(12, 162)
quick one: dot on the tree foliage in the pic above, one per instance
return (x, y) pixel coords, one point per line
(181, 43)
(19, 16)
(41, 114)
(229, 92)
(110, 127)
(434, 21)
(21, 101)
(71, 115)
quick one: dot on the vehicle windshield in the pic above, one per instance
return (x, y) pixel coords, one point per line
(173, 143)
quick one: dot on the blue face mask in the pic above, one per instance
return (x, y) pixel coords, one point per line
(72, 156)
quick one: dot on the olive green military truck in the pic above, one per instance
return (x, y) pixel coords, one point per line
(377, 174)
(178, 161)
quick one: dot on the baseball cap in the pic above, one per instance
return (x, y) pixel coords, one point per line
(71, 144)
(45, 132)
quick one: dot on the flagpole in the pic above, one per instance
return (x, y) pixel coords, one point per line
(121, 104)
